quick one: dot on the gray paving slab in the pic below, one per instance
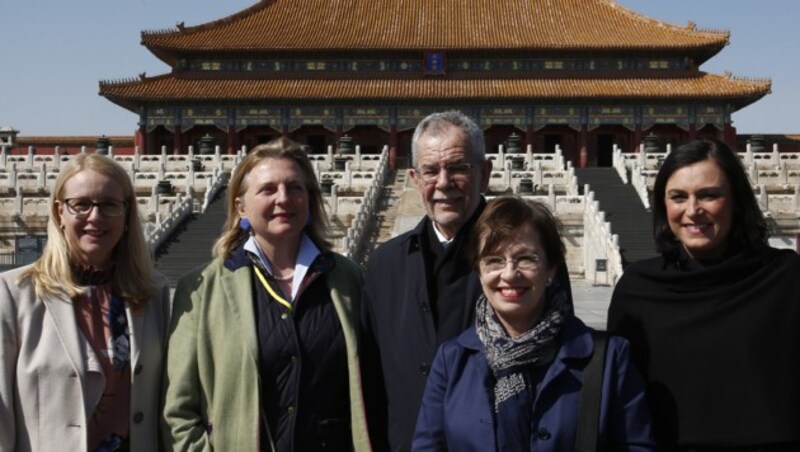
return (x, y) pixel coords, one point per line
(403, 223)
(591, 302)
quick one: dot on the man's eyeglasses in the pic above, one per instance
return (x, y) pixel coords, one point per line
(455, 172)
(82, 207)
(526, 262)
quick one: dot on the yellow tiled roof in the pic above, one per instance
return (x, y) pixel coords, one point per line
(434, 24)
(169, 88)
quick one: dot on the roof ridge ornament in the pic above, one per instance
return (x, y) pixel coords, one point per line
(713, 31)
(119, 81)
(160, 31)
(744, 78)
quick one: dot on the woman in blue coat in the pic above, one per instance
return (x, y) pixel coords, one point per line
(513, 382)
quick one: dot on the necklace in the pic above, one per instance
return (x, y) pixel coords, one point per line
(282, 278)
(269, 289)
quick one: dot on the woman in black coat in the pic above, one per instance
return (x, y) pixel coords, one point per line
(714, 321)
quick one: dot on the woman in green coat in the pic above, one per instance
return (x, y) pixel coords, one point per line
(263, 352)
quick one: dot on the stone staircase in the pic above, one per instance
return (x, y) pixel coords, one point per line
(624, 210)
(388, 208)
(190, 246)
(784, 225)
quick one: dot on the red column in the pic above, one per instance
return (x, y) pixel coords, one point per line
(339, 133)
(285, 131)
(177, 140)
(584, 152)
(393, 147)
(692, 132)
(140, 138)
(233, 140)
(150, 144)
(529, 137)
(637, 137)
(729, 136)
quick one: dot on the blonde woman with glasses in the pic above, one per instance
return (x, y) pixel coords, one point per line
(84, 327)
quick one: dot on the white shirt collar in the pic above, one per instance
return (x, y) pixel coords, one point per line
(442, 239)
(305, 257)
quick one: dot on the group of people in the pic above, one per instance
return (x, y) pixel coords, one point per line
(460, 335)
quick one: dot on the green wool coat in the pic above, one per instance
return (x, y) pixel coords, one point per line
(211, 380)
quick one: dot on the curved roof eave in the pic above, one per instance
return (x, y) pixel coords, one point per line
(168, 88)
(294, 25)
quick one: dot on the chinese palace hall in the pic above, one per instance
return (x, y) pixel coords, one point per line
(581, 74)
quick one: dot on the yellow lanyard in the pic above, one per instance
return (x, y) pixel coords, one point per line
(274, 294)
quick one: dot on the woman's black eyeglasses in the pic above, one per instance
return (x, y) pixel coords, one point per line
(82, 207)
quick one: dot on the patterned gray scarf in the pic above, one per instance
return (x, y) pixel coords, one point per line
(507, 356)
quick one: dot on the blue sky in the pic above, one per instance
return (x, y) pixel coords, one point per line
(55, 52)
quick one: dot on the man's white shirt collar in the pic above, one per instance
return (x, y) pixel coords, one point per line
(442, 239)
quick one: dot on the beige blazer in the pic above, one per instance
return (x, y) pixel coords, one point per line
(51, 379)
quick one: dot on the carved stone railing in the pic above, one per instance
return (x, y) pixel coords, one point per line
(640, 183)
(618, 162)
(529, 159)
(600, 246)
(364, 206)
(165, 224)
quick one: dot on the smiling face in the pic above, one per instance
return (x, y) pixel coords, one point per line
(516, 292)
(699, 208)
(275, 202)
(450, 199)
(91, 238)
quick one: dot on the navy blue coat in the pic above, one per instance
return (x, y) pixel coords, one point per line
(457, 414)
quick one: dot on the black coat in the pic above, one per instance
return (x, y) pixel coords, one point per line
(718, 344)
(400, 329)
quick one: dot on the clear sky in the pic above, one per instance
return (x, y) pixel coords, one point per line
(55, 52)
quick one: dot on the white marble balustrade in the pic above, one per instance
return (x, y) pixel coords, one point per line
(599, 243)
(554, 161)
(171, 212)
(360, 205)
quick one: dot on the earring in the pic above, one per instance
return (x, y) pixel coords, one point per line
(244, 224)
(549, 281)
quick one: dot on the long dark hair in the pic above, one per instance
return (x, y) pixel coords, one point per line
(748, 226)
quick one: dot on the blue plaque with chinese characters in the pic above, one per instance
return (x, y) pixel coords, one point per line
(434, 62)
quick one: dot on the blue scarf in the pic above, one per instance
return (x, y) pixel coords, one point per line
(517, 363)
